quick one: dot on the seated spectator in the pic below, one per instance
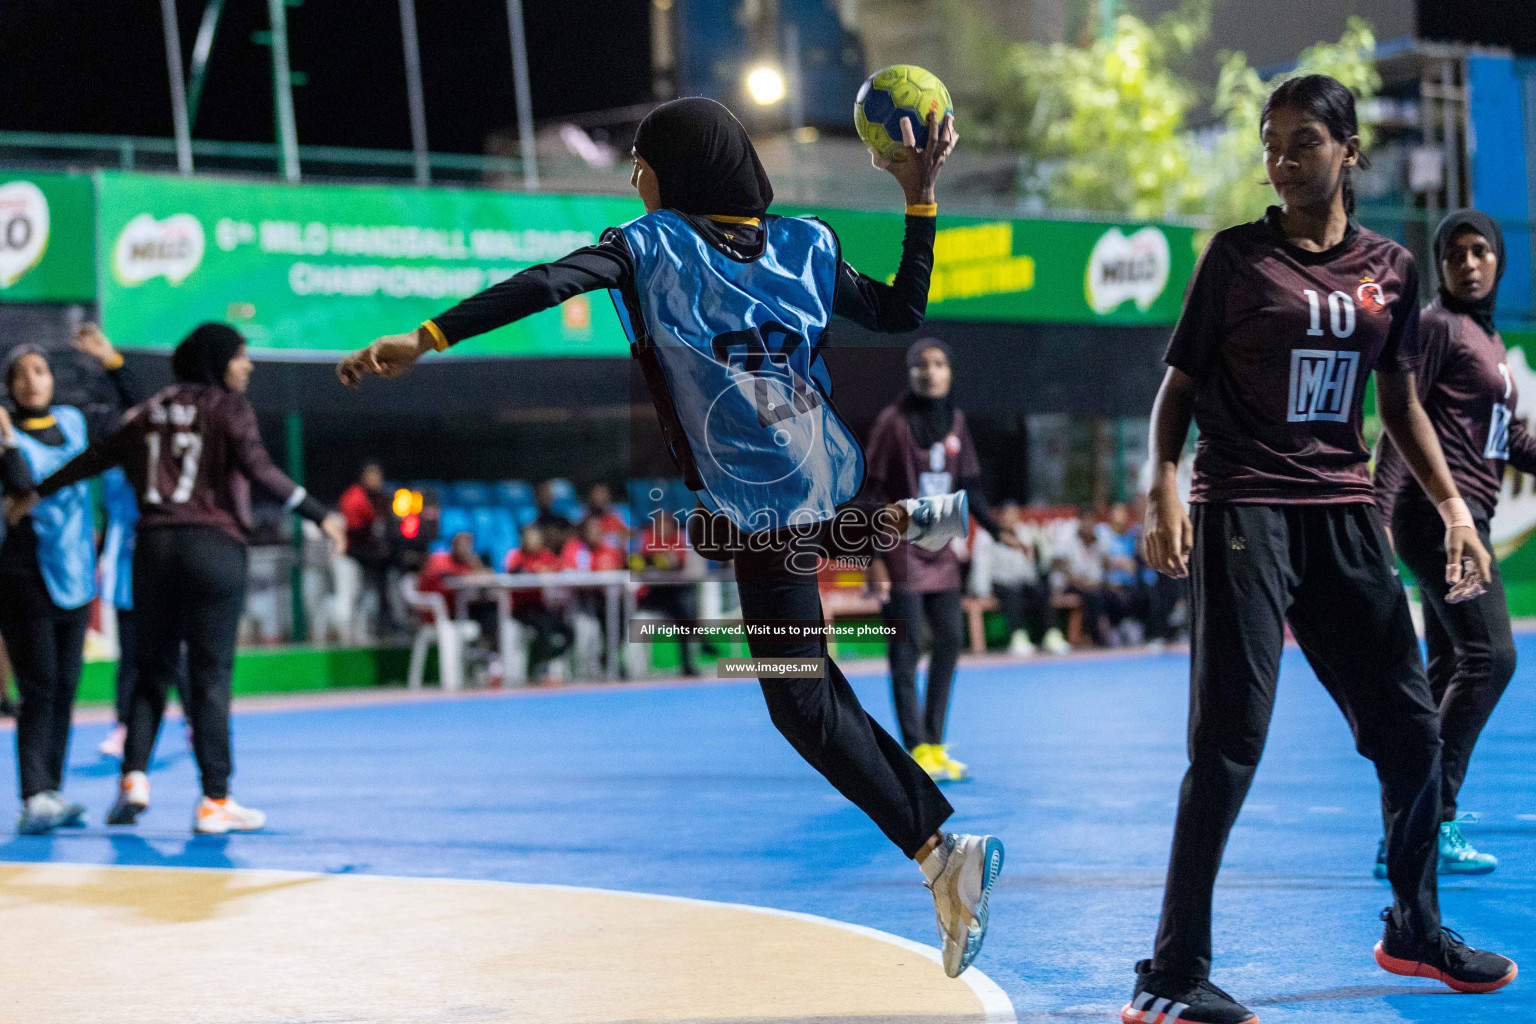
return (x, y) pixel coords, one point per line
(535, 608)
(460, 560)
(1124, 589)
(1078, 569)
(365, 507)
(664, 546)
(600, 507)
(556, 529)
(1011, 573)
(596, 549)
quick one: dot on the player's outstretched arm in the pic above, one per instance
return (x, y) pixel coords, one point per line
(387, 357)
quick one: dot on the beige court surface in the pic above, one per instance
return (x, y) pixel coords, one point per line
(158, 946)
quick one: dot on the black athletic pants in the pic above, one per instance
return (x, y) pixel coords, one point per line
(1026, 606)
(1471, 651)
(923, 721)
(821, 718)
(1328, 571)
(188, 588)
(128, 663)
(47, 648)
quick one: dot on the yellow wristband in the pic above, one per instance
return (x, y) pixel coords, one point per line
(922, 209)
(439, 339)
(112, 361)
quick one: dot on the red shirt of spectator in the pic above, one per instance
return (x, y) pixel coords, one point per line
(460, 560)
(360, 507)
(533, 556)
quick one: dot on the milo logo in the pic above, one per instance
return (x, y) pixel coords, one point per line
(148, 248)
(1125, 268)
(23, 229)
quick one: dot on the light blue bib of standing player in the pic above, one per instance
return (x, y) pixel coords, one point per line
(738, 342)
(122, 507)
(66, 550)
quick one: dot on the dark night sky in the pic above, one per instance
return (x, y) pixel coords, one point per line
(99, 67)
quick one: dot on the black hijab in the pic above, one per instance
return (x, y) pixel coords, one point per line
(204, 355)
(928, 419)
(1475, 220)
(12, 359)
(703, 159)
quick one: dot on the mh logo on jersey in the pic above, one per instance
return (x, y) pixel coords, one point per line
(1322, 385)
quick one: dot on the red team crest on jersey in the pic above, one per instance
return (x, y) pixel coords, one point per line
(1370, 296)
(952, 445)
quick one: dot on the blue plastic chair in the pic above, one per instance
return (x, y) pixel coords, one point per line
(473, 493)
(561, 489)
(454, 521)
(512, 492)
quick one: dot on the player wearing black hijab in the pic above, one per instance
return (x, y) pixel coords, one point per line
(191, 453)
(726, 306)
(1466, 389)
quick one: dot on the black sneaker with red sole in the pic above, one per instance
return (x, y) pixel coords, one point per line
(1161, 997)
(1447, 959)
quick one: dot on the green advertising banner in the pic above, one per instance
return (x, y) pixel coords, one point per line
(47, 244)
(312, 270)
(1051, 271)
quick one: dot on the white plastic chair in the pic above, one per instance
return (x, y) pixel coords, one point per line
(637, 654)
(586, 653)
(451, 636)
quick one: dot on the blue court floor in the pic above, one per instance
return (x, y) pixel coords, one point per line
(688, 791)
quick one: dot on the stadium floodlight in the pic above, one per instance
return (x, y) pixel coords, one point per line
(766, 86)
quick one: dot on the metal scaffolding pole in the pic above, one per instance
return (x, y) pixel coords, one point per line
(179, 118)
(282, 91)
(524, 99)
(413, 91)
(202, 47)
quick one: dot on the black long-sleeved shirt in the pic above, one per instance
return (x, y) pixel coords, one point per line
(887, 308)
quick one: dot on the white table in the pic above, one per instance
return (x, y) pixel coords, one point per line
(619, 587)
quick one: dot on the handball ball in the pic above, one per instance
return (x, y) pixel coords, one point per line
(888, 95)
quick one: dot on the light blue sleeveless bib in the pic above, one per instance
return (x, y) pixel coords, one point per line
(737, 343)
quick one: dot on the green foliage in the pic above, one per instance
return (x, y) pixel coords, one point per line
(1105, 126)
(1237, 187)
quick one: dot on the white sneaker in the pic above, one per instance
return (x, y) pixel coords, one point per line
(46, 811)
(132, 799)
(961, 895)
(1055, 643)
(112, 746)
(1019, 645)
(937, 520)
(216, 817)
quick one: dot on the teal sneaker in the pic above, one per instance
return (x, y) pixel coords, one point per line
(1457, 857)
(1380, 870)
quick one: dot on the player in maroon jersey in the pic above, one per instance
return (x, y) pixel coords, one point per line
(1284, 321)
(1465, 388)
(191, 453)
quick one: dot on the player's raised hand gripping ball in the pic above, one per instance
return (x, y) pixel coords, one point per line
(890, 94)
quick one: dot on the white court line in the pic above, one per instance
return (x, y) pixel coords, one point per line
(994, 1001)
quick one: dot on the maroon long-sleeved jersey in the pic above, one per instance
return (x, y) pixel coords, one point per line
(1280, 342)
(191, 453)
(1465, 387)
